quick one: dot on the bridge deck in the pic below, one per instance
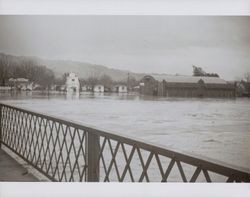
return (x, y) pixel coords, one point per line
(11, 170)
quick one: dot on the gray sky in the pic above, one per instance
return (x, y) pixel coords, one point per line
(169, 44)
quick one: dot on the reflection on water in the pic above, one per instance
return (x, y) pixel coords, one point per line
(24, 95)
(216, 128)
(72, 95)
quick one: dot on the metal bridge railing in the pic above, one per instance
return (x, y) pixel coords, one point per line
(63, 150)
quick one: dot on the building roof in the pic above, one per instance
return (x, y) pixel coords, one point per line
(22, 80)
(188, 79)
(18, 80)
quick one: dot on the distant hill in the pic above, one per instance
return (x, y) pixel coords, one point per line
(82, 69)
(85, 70)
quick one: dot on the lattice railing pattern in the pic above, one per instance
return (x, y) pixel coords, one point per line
(139, 162)
(68, 151)
(54, 148)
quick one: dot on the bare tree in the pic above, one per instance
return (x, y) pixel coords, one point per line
(64, 77)
(92, 81)
(132, 82)
(4, 69)
(24, 68)
(247, 76)
(106, 80)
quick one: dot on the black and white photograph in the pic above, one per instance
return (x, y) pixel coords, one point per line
(124, 98)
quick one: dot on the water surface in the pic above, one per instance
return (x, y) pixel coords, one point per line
(215, 128)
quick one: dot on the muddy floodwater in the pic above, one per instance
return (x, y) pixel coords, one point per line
(214, 128)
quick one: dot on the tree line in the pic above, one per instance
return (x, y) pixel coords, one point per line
(198, 71)
(103, 79)
(107, 81)
(25, 68)
(11, 67)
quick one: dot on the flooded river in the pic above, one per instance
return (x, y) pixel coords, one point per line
(215, 128)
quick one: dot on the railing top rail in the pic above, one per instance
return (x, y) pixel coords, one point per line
(192, 159)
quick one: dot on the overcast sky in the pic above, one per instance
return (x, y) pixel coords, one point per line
(158, 44)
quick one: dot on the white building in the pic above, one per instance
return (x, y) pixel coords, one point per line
(72, 83)
(98, 88)
(120, 89)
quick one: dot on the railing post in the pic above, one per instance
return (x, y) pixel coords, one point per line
(1, 133)
(93, 150)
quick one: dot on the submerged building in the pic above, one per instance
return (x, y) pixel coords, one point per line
(120, 89)
(72, 83)
(99, 88)
(186, 86)
(20, 83)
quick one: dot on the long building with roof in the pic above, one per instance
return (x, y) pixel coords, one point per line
(185, 86)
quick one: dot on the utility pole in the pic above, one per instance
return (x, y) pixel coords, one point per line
(128, 83)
